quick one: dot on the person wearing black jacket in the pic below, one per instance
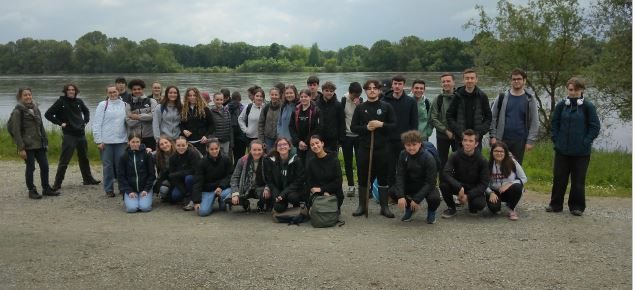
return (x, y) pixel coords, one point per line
(136, 175)
(324, 175)
(181, 172)
(378, 117)
(466, 174)
(70, 113)
(303, 124)
(196, 120)
(212, 180)
(469, 109)
(416, 177)
(284, 174)
(332, 121)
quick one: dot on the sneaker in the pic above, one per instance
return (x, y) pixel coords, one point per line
(552, 209)
(512, 215)
(110, 194)
(408, 213)
(92, 181)
(576, 212)
(34, 194)
(430, 217)
(48, 191)
(351, 191)
(449, 213)
(189, 206)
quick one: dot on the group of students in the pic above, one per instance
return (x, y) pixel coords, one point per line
(192, 150)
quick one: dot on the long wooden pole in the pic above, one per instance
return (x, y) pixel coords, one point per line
(366, 204)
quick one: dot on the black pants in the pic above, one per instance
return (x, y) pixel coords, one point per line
(150, 142)
(69, 144)
(395, 147)
(433, 199)
(476, 202)
(38, 155)
(379, 168)
(443, 146)
(238, 149)
(510, 197)
(293, 198)
(574, 168)
(349, 146)
(517, 148)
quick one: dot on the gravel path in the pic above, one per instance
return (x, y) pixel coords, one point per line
(82, 239)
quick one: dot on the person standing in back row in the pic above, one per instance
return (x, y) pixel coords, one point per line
(444, 135)
(139, 114)
(332, 126)
(70, 113)
(418, 92)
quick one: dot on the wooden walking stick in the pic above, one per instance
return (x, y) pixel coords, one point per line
(366, 204)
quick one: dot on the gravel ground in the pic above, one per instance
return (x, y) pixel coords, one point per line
(82, 239)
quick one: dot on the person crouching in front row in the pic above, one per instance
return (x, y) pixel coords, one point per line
(136, 175)
(248, 179)
(284, 173)
(212, 179)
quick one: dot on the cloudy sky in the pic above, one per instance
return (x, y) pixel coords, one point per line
(332, 24)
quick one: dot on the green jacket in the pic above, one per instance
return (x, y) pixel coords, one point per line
(28, 128)
(438, 112)
(423, 117)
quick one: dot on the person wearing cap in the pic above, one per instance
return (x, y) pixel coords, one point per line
(350, 141)
(120, 84)
(312, 84)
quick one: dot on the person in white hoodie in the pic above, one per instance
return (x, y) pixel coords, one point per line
(506, 180)
(109, 133)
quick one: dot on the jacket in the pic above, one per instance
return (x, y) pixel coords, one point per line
(241, 177)
(199, 126)
(367, 111)
(348, 108)
(404, 107)
(282, 127)
(136, 171)
(416, 175)
(458, 112)
(71, 111)
(216, 171)
(182, 165)
(332, 122)
(222, 124)
(423, 117)
(497, 179)
(574, 128)
(268, 121)
(284, 178)
(109, 124)
(470, 172)
(145, 107)
(28, 128)
(166, 120)
(301, 130)
(439, 107)
(249, 123)
(498, 123)
(325, 173)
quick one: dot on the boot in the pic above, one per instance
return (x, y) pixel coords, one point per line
(384, 202)
(91, 181)
(48, 191)
(362, 200)
(57, 185)
(33, 194)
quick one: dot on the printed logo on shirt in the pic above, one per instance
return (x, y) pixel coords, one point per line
(378, 112)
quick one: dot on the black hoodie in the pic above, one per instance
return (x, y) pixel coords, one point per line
(71, 111)
(470, 172)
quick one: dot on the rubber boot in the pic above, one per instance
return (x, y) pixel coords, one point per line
(384, 202)
(363, 193)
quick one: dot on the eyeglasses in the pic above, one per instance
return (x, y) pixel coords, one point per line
(499, 151)
(281, 145)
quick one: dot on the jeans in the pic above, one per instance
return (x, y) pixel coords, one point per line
(138, 203)
(110, 160)
(180, 186)
(38, 155)
(574, 168)
(207, 201)
(69, 144)
(350, 147)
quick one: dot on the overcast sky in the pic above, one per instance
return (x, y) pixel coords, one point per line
(332, 24)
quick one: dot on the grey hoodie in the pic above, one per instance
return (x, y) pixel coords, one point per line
(143, 106)
(166, 121)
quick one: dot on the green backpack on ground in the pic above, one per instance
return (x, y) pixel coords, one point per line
(324, 212)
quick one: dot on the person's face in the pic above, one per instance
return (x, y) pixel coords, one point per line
(397, 87)
(172, 94)
(469, 144)
(448, 83)
(26, 97)
(282, 147)
(372, 92)
(498, 153)
(412, 147)
(289, 95)
(218, 101)
(192, 97)
(305, 99)
(137, 91)
(316, 145)
(71, 92)
(112, 93)
(274, 96)
(156, 89)
(181, 146)
(121, 87)
(517, 82)
(258, 98)
(574, 93)
(256, 150)
(418, 90)
(165, 145)
(327, 93)
(470, 80)
(213, 149)
(134, 143)
(313, 87)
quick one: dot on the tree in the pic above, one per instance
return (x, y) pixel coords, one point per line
(381, 56)
(91, 53)
(314, 55)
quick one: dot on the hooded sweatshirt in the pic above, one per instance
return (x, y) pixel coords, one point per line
(144, 107)
(109, 125)
(71, 111)
(166, 121)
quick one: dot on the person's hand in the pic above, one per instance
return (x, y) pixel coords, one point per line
(279, 198)
(217, 192)
(134, 116)
(415, 206)
(505, 187)
(326, 194)
(144, 193)
(132, 195)
(22, 154)
(235, 200)
(100, 146)
(315, 189)
(148, 150)
(449, 134)
(187, 133)
(493, 198)
(63, 125)
(197, 206)
(266, 193)
(529, 147)
(402, 203)
(493, 140)
(356, 101)
(302, 145)
(462, 196)
(204, 140)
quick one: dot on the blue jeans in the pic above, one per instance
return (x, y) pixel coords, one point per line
(269, 144)
(38, 155)
(177, 195)
(138, 203)
(207, 201)
(110, 160)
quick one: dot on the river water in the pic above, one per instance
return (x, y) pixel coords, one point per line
(615, 135)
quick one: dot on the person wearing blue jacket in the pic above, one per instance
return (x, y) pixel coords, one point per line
(575, 125)
(136, 175)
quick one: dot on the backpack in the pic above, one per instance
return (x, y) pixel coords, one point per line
(430, 148)
(10, 124)
(500, 102)
(247, 114)
(427, 104)
(324, 212)
(291, 216)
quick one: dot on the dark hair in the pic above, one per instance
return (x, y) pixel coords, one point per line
(469, 132)
(398, 78)
(355, 88)
(507, 165)
(275, 89)
(280, 86)
(329, 85)
(256, 141)
(120, 80)
(304, 91)
(18, 97)
(313, 80)
(133, 135)
(213, 140)
(468, 71)
(368, 82)
(273, 152)
(66, 86)
(236, 96)
(576, 82)
(136, 82)
(225, 92)
(165, 100)
(316, 136)
(217, 94)
(253, 89)
(412, 136)
(418, 81)
(447, 74)
(259, 90)
(518, 71)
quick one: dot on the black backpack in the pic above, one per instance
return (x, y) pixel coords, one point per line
(291, 216)
(500, 102)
